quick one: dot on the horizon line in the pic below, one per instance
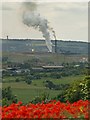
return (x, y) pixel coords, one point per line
(44, 39)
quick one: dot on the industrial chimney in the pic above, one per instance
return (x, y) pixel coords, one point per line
(55, 46)
(7, 37)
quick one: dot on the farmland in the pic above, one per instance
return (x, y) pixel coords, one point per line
(44, 57)
(27, 92)
(24, 73)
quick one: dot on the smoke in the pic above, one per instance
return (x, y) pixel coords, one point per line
(31, 6)
(54, 34)
(33, 19)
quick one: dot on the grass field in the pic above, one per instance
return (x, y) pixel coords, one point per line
(27, 92)
(45, 57)
(13, 78)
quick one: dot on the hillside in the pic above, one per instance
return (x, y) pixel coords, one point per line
(29, 45)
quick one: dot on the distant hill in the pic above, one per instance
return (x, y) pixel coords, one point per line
(29, 45)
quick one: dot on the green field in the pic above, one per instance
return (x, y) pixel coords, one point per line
(27, 92)
(13, 78)
(44, 57)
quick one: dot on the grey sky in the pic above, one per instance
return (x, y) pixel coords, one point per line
(69, 20)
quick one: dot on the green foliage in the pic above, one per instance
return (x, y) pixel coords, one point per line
(60, 97)
(38, 99)
(29, 79)
(7, 96)
(56, 75)
(4, 59)
(51, 85)
(78, 90)
(17, 80)
(26, 93)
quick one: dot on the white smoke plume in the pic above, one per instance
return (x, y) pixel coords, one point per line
(54, 34)
(33, 19)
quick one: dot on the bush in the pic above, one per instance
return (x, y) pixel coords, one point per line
(79, 90)
(17, 80)
(8, 97)
(28, 81)
(60, 97)
(55, 75)
(51, 85)
(38, 99)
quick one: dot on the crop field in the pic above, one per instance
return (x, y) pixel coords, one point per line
(26, 92)
(45, 57)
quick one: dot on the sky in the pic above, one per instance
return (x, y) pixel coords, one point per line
(68, 19)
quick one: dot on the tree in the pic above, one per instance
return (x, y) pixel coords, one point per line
(8, 97)
(29, 79)
(79, 90)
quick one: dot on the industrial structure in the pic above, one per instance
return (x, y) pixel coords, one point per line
(55, 46)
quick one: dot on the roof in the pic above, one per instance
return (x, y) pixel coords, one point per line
(52, 66)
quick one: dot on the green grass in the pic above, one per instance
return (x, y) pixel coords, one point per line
(12, 78)
(27, 92)
(68, 80)
(63, 80)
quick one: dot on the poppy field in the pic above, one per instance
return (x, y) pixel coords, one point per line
(52, 109)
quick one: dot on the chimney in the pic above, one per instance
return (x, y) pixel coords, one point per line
(7, 37)
(55, 46)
